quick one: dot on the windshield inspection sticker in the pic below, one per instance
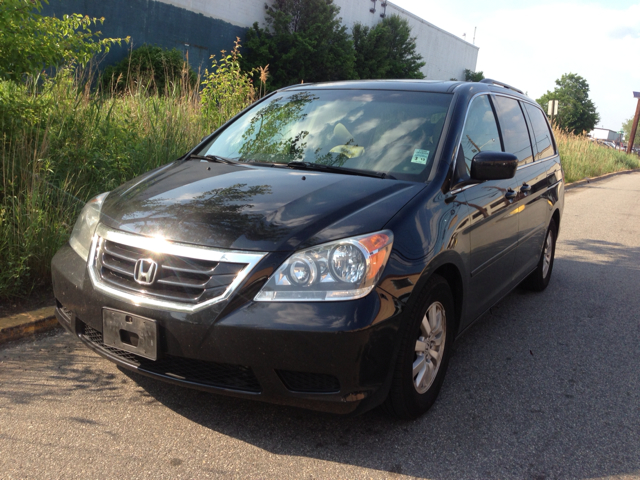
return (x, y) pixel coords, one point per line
(420, 156)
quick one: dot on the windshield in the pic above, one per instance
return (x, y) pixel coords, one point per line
(388, 132)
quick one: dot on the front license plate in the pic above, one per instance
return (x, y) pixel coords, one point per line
(129, 332)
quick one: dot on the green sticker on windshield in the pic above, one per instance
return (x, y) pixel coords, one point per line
(420, 156)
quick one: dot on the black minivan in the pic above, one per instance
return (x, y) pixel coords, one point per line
(324, 247)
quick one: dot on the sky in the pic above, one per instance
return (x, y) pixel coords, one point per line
(530, 44)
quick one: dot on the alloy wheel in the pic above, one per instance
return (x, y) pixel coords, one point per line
(429, 347)
(547, 254)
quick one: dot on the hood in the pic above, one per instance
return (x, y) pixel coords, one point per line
(257, 208)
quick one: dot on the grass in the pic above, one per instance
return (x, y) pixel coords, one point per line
(66, 143)
(582, 158)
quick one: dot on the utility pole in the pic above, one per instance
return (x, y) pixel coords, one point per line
(553, 109)
(632, 137)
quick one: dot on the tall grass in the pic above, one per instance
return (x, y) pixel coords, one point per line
(582, 158)
(34, 217)
(105, 140)
(62, 143)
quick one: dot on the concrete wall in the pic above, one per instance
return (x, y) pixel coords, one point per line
(204, 27)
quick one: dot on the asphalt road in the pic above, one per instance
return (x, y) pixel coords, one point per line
(545, 386)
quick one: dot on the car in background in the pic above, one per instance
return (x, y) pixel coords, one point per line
(325, 247)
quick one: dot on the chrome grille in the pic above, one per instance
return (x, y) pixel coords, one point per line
(187, 277)
(179, 279)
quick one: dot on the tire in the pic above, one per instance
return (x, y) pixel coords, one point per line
(425, 348)
(538, 280)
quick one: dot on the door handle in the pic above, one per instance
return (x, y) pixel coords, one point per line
(525, 187)
(511, 194)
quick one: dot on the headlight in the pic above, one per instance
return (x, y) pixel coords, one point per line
(342, 270)
(85, 226)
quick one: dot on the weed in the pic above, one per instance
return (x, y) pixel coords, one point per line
(61, 143)
(582, 158)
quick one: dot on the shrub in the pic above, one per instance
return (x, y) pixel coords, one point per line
(227, 89)
(471, 76)
(30, 42)
(21, 108)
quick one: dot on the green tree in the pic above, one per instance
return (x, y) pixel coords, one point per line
(387, 50)
(576, 111)
(154, 67)
(404, 61)
(30, 42)
(626, 127)
(471, 76)
(371, 49)
(303, 40)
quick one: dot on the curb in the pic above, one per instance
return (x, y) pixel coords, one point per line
(27, 324)
(586, 181)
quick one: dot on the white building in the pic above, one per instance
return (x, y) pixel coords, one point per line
(605, 134)
(446, 55)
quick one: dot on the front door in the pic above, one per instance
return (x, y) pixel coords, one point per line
(493, 230)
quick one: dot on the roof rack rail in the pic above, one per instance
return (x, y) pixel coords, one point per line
(495, 82)
(297, 85)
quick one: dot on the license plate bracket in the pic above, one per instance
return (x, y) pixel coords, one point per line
(131, 333)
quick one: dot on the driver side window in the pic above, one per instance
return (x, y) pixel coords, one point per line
(480, 135)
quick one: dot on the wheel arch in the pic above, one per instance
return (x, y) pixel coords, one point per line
(452, 275)
(449, 266)
(556, 216)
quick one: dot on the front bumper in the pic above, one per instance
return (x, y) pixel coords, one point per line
(330, 356)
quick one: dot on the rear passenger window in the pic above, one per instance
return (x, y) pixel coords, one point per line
(480, 135)
(544, 145)
(514, 129)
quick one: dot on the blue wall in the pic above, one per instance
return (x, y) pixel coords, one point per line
(155, 23)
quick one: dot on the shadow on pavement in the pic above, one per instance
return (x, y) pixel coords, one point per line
(27, 377)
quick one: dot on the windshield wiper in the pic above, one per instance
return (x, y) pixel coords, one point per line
(262, 164)
(212, 158)
(333, 169)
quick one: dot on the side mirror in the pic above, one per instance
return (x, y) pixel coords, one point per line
(493, 166)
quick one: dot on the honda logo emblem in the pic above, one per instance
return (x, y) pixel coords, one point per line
(145, 271)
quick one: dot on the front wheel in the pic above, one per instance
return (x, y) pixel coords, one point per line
(539, 279)
(424, 352)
